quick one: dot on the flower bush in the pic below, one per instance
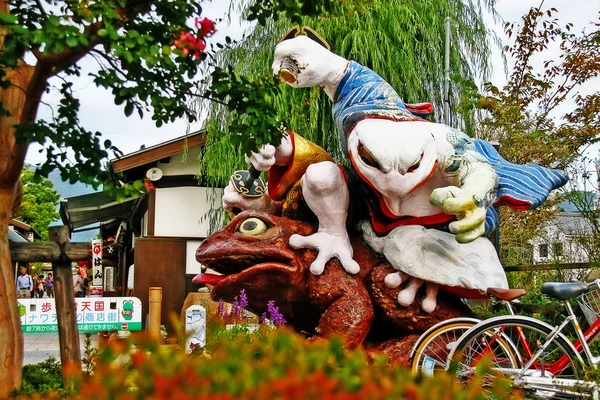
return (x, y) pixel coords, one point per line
(272, 362)
(281, 365)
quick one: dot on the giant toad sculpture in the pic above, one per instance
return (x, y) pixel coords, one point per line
(253, 253)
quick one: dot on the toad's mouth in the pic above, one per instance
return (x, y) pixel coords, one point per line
(238, 266)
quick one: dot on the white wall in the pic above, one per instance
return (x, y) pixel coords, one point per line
(182, 211)
(177, 165)
(191, 265)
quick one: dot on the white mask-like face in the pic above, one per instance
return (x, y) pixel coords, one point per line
(392, 157)
(302, 62)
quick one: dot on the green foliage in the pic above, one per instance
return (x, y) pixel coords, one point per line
(532, 116)
(582, 193)
(39, 203)
(217, 332)
(401, 41)
(133, 44)
(251, 112)
(90, 354)
(291, 9)
(279, 365)
(41, 378)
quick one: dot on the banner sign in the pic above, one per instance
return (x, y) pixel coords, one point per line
(81, 265)
(95, 291)
(92, 314)
(98, 275)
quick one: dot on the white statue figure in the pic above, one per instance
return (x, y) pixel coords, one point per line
(428, 188)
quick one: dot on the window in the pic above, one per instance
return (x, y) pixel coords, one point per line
(557, 249)
(543, 250)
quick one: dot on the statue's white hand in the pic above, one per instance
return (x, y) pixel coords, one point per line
(328, 246)
(264, 159)
(467, 207)
(234, 200)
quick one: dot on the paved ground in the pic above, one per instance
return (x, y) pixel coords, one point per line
(40, 346)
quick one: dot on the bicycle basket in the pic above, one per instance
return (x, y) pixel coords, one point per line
(590, 304)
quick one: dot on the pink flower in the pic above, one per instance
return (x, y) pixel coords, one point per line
(195, 44)
(206, 26)
(200, 45)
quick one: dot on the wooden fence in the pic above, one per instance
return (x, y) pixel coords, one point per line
(61, 253)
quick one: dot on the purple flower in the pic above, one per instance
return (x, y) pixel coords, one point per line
(235, 307)
(244, 305)
(221, 308)
(243, 299)
(274, 315)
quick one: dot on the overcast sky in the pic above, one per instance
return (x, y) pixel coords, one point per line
(98, 112)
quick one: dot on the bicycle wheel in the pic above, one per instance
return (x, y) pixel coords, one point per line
(540, 368)
(433, 348)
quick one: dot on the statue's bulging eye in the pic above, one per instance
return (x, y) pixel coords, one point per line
(367, 157)
(253, 227)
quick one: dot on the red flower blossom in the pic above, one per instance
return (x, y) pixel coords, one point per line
(195, 45)
(206, 26)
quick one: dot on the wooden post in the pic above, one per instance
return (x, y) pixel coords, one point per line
(154, 309)
(68, 336)
(49, 252)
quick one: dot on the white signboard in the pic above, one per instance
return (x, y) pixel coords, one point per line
(92, 314)
(98, 274)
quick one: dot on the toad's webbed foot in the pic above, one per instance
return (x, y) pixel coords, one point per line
(328, 245)
(406, 296)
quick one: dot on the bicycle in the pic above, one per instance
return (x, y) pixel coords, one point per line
(535, 357)
(430, 352)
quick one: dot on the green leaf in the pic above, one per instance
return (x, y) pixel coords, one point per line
(128, 108)
(8, 19)
(138, 185)
(102, 32)
(54, 20)
(72, 41)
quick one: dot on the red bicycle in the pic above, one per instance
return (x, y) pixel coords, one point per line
(537, 358)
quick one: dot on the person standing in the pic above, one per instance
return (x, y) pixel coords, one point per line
(86, 286)
(50, 285)
(34, 278)
(41, 286)
(78, 285)
(24, 284)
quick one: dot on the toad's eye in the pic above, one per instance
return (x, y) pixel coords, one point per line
(367, 157)
(252, 227)
(415, 165)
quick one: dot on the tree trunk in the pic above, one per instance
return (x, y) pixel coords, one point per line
(12, 157)
(11, 351)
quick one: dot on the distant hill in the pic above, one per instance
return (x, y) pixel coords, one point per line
(66, 190)
(586, 199)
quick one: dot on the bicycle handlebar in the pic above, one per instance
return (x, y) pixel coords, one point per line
(594, 284)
